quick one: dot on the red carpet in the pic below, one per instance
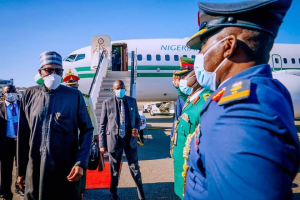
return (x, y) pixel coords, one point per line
(98, 180)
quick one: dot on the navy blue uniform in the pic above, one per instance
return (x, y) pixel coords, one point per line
(248, 146)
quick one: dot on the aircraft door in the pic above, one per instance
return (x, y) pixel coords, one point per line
(119, 57)
(276, 62)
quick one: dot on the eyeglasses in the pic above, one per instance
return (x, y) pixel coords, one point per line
(58, 71)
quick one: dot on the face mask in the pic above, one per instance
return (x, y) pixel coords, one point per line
(52, 81)
(120, 93)
(184, 88)
(207, 79)
(11, 97)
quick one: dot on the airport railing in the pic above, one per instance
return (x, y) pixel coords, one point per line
(101, 56)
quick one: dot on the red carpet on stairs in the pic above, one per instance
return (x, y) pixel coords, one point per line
(99, 180)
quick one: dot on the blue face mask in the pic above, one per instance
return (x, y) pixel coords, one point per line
(184, 88)
(207, 79)
(120, 93)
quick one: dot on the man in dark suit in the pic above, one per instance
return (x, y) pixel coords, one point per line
(119, 127)
(9, 115)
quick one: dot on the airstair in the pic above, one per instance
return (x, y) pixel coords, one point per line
(102, 84)
(106, 88)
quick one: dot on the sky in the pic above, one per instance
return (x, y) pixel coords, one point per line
(28, 28)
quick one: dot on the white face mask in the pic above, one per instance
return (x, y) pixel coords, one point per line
(52, 81)
(207, 79)
(11, 97)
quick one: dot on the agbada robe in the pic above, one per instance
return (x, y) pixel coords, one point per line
(48, 142)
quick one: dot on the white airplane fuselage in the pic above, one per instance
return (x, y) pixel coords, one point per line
(154, 76)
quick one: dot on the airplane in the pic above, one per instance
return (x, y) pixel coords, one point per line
(156, 59)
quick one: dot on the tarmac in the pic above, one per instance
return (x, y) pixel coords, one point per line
(156, 166)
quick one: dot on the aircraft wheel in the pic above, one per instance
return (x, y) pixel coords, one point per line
(152, 113)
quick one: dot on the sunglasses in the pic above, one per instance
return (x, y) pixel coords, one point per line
(58, 71)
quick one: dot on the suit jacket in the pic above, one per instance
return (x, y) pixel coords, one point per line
(3, 124)
(109, 125)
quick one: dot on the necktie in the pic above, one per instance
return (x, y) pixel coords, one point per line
(122, 119)
(14, 114)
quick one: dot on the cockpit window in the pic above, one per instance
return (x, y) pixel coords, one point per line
(71, 58)
(80, 57)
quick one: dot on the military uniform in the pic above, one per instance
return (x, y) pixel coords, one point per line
(185, 124)
(247, 146)
(71, 80)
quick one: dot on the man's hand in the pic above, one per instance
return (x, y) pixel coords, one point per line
(75, 174)
(96, 138)
(134, 132)
(176, 79)
(20, 182)
(102, 150)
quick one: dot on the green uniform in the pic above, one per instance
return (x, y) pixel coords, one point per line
(90, 108)
(186, 124)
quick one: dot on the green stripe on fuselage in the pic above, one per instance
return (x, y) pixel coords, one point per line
(82, 69)
(156, 75)
(86, 75)
(155, 67)
(279, 69)
(143, 67)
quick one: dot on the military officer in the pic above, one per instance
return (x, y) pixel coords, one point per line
(247, 146)
(194, 96)
(71, 80)
(186, 64)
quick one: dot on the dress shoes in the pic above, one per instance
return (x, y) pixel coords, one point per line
(114, 197)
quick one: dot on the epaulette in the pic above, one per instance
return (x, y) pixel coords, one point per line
(238, 91)
(86, 95)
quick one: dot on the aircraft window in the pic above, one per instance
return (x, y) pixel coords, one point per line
(80, 57)
(158, 57)
(293, 60)
(149, 58)
(139, 57)
(285, 61)
(167, 57)
(71, 58)
(176, 57)
(193, 56)
(184, 56)
(276, 60)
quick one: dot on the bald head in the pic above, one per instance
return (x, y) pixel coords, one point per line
(118, 84)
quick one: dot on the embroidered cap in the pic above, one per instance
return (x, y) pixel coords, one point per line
(50, 57)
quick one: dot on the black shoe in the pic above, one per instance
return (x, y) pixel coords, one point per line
(19, 190)
(6, 198)
(114, 197)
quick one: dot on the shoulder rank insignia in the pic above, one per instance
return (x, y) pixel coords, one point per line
(206, 96)
(218, 95)
(238, 91)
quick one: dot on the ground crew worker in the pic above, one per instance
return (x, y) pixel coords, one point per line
(247, 146)
(194, 96)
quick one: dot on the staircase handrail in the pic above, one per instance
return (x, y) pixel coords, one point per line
(97, 71)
